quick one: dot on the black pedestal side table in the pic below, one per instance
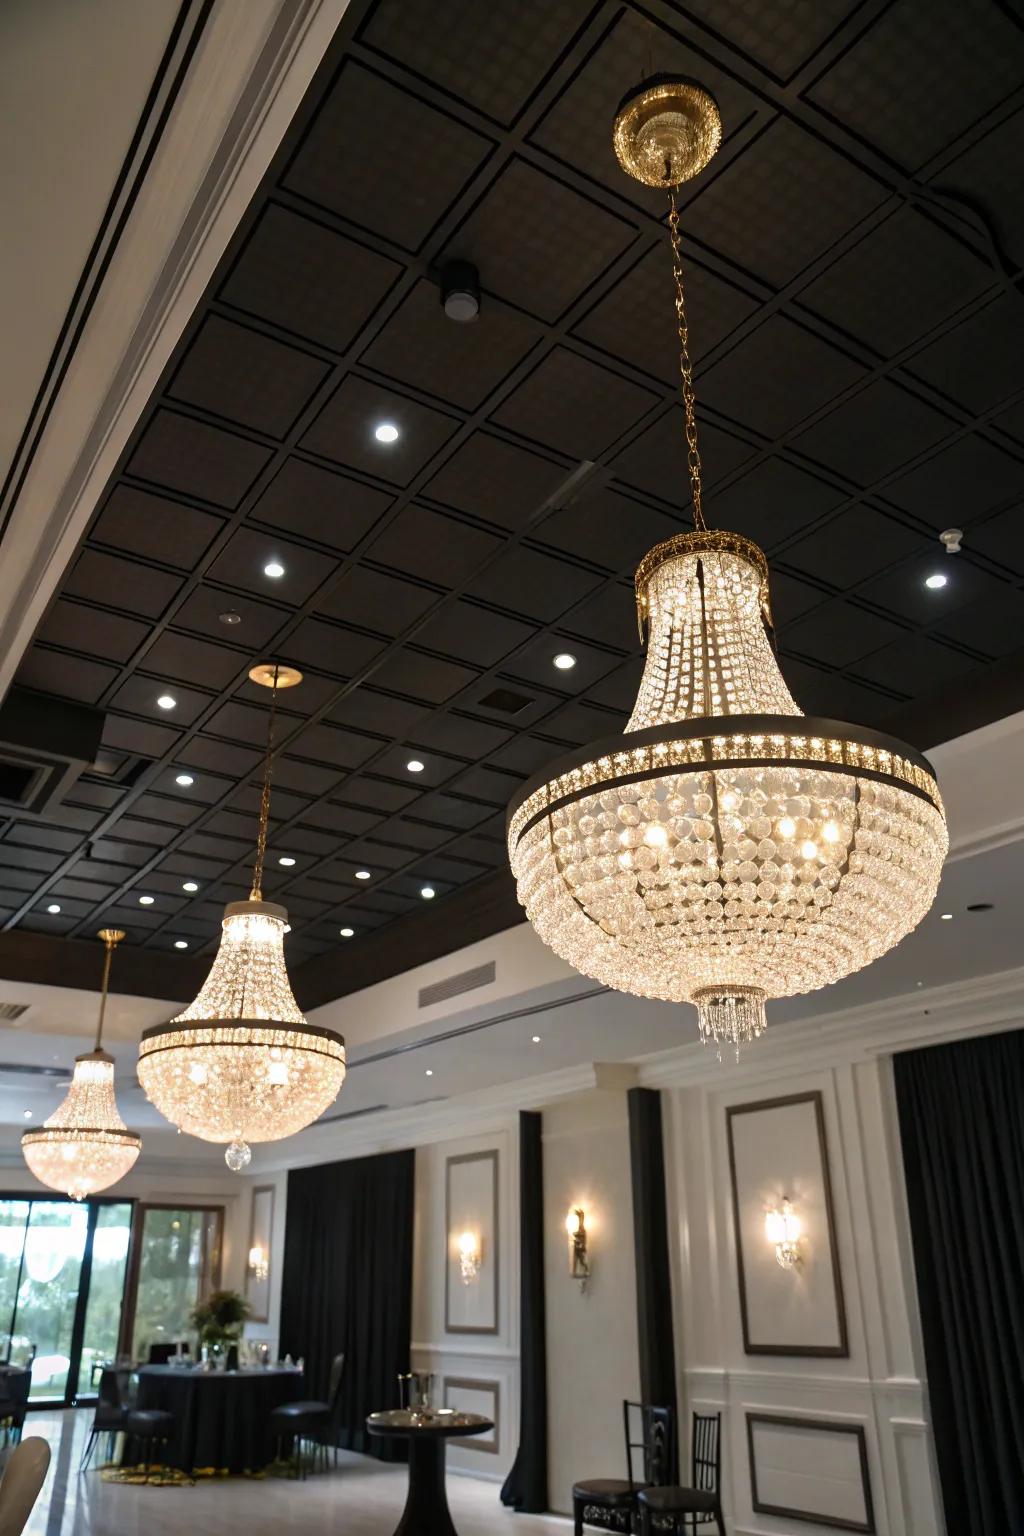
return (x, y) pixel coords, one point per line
(427, 1430)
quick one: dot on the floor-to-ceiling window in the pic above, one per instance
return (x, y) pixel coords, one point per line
(177, 1263)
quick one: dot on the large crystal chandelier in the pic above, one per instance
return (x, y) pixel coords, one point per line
(85, 1146)
(727, 849)
(241, 1063)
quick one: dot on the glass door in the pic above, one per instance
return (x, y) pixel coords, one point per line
(177, 1263)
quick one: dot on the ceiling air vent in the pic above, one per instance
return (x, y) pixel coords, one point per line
(505, 700)
(454, 986)
(11, 1011)
(44, 745)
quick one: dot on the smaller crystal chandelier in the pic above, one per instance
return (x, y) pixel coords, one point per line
(85, 1146)
(242, 1063)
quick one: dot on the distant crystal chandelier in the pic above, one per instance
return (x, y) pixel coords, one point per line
(727, 849)
(241, 1063)
(85, 1146)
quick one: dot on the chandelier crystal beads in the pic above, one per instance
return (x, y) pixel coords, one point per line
(242, 1064)
(85, 1146)
(726, 849)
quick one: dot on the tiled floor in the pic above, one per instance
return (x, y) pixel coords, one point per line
(362, 1498)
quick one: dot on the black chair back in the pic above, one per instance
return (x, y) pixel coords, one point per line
(113, 1389)
(334, 1387)
(160, 1354)
(650, 1445)
(706, 1452)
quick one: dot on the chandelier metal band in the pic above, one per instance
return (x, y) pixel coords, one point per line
(214, 1032)
(699, 541)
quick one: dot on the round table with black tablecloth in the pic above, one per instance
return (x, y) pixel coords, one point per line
(221, 1418)
(427, 1430)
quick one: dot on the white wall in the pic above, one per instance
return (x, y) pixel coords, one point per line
(592, 1335)
(880, 1385)
(269, 1331)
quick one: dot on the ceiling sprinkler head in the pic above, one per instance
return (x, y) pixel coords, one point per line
(460, 291)
(951, 540)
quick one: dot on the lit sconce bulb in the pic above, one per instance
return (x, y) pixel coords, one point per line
(258, 1262)
(469, 1256)
(576, 1228)
(783, 1228)
(787, 828)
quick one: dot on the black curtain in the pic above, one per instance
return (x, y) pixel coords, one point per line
(526, 1487)
(347, 1283)
(650, 1246)
(961, 1112)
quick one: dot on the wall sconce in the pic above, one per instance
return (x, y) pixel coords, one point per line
(259, 1263)
(579, 1262)
(783, 1228)
(470, 1256)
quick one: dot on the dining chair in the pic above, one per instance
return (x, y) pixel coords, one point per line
(15, 1384)
(610, 1502)
(19, 1488)
(111, 1411)
(679, 1509)
(311, 1421)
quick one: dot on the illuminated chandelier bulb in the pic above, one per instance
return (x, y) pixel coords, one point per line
(85, 1146)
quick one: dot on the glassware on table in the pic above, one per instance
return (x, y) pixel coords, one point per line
(415, 1390)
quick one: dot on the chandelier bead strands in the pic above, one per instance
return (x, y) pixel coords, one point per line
(726, 849)
(85, 1146)
(242, 1064)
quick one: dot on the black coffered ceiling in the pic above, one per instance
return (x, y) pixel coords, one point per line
(853, 267)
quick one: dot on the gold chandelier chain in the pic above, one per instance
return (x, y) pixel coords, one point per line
(111, 938)
(256, 894)
(686, 367)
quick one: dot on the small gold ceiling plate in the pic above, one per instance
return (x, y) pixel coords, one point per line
(111, 936)
(666, 131)
(263, 673)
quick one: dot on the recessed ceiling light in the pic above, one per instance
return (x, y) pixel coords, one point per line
(428, 893)
(26, 1114)
(166, 701)
(53, 908)
(273, 568)
(184, 779)
(414, 765)
(536, 1039)
(181, 944)
(146, 901)
(947, 917)
(191, 886)
(564, 661)
(230, 617)
(429, 1072)
(386, 432)
(286, 860)
(936, 580)
(346, 933)
(362, 874)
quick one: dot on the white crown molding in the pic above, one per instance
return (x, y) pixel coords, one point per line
(244, 84)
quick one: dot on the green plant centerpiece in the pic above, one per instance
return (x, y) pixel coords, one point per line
(220, 1318)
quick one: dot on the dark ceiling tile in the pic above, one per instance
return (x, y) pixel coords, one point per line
(496, 481)
(780, 203)
(416, 836)
(580, 722)
(916, 665)
(339, 748)
(904, 278)
(852, 546)
(166, 808)
(636, 321)
(656, 460)
(902, 590)
(138, 694)
(514, 43)
(473, 634)
(125, 584)
(873, 433)
(968, 475)
(180, 659)
(455, 733)
(780, 37)
(777, 376)
(201, 611)
(619, 690)
(836, 697)
(489, 785)
(366, 707)
(241, 564)
(609, 618)
(77, 628)
(211, 463)
(308, 279)
(368, 793)
(344, 820)
(441, 867)
(573, 405)
(232, 371)
(536, 664)
(968, 57)
(435, 547)
(71, 677)
(423, 677)
(305, 778)
(524, 755)
(537, 585)
(563, 241)
(771, 502)
(394, 757)
(363, 131)
(994, 625)
(610, 529)
(31, 834)
(314, 693)
(977, 362)
(37, 859)
(344, 431)
(221, 757)
(1001, 538)
(451, 811)
(318, 504)
(138, 523)
(374, 601)
(341, 652)
(790, 598)
(838, 634)
(459, 363)
(242, 723)
(987, 174)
